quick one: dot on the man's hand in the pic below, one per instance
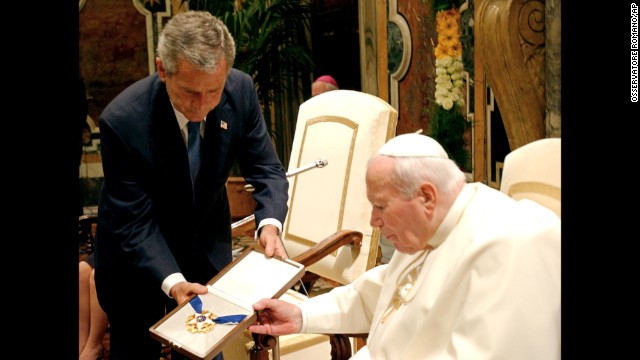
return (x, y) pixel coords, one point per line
(183, 290)
(271, 242)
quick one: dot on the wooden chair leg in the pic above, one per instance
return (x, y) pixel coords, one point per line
(340, 347)
(261, 346)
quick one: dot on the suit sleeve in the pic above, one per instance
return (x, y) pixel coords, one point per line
(259, 162)
(126, 208)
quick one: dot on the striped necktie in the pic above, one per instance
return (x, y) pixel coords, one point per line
(193, 146)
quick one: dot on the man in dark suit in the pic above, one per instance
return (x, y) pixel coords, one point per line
(160, 235)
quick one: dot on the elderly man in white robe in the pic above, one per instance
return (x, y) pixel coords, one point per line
(476, 274)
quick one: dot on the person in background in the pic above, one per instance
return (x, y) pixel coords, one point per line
(162, 232)
(475, 274)
(323, 84)
(93, 322)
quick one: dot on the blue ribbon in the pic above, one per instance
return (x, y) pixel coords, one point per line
(229, 319)
(196, 304)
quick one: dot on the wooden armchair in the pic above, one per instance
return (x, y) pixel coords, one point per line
(327, 228)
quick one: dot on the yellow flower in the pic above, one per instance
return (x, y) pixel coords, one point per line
(446, 25)
(447, 39)
(455, 49)
(441, 52)
(453, 13)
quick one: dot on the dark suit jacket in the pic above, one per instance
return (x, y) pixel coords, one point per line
(148, 225)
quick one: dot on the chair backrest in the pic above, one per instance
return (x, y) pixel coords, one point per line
(345, 128)
(532, 172)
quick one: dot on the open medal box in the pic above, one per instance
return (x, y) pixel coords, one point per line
(249, 278)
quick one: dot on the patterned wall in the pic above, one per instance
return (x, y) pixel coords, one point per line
(418, 83)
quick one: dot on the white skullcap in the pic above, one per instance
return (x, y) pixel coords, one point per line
(413, 144)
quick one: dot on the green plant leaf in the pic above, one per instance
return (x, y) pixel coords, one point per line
(448, 128)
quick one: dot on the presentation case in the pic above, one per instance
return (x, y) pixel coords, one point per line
(249, 278)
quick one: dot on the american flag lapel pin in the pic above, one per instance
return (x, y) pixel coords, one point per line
(223, 124)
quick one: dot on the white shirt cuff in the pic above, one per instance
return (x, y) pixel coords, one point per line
(269, 221)
(171, 280)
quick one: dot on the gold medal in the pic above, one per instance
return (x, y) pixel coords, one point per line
(200, 322)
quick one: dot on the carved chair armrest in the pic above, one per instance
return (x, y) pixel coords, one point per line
(328, 245)
(325, 247)
(245, 226)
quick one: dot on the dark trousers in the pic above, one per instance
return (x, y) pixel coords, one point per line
(129, 324)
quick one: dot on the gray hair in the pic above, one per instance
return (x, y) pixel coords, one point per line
(197, 37)
(409, 172)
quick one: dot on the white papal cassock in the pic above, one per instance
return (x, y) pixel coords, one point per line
(490, 289)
